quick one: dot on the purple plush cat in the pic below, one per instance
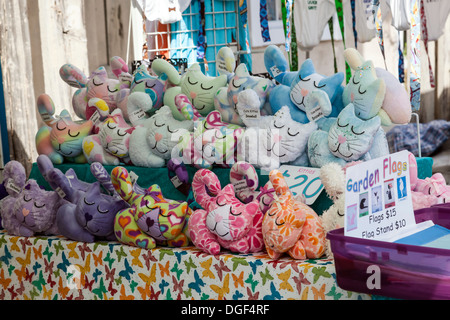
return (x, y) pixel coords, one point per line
(28, 210)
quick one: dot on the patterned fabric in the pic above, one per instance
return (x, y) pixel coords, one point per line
(265, 34)
(201, 42)
(432, 136)
(54, 268)
(415, 56)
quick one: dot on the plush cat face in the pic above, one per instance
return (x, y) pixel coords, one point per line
(67, 136)
(308, 80)
(35, 208)
(164, 132)
(349, 137)
(366, 91)
(200, 89)
(242, 80)
(95, 212)
(101, 86)
(153, 86)
(115, 134)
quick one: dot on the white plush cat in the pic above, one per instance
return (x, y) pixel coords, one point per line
(270, 141)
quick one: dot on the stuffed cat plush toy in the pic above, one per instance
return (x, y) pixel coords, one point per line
(152, 142)
(226, 98)
(244, 179)
(199, 89)
(375, 92)
(110, 146)
(294, 87)
(114, 91)
(291, 226)
(28, 210)
(225, 221)
(151, 220)
(61, 138)
(349, 139)
(269, 141)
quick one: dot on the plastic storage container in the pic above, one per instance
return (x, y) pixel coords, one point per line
(406, 271)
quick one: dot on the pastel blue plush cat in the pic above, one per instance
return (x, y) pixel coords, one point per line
(348, 139)
(294, 87)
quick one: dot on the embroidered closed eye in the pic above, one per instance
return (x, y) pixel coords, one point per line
(151, 85)
(205, 88)
(234, 214)
(102, 211)
(73, 135)
(291, 134)
(157, 125)
(339, 125)
(279, 223)
(191, 83)
(121, 135)
(38, 206)
(88, 203)
(60, 129)
(112, 91)
(305, 80)
(354, 82)
(168, 129)
(25, 199)
(111, 127)
(275, 125)
(96, 84)
(319, 87)
(359, 90)
(220, 205)
(357, 133)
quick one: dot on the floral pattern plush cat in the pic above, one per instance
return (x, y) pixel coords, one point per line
(225, 221)
(61, 138)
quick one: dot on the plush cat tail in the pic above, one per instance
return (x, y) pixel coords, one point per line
(161, 66)
(44, 165)
(244, 179)
(278, 182)
(353, 58)
(14, 177)
(121, 181)
(101, 175)
(225, 61)
(101, 106)
(275, 62)
(333, 179)
(73, 76)
(118, 66)
(46, 108)
(204, 186)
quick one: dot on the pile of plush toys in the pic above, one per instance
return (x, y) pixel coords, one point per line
(236, 120)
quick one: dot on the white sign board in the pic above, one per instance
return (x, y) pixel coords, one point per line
(378, 201)
(303, 181)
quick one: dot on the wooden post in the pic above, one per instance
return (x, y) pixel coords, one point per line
(18, 81)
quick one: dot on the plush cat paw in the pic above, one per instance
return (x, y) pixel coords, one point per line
(275, 62)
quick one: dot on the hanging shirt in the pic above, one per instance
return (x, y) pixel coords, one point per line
(436, 12)
(165, 11)
(364, 20)
(401, 14)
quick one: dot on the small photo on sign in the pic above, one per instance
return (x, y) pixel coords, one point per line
(401, 188)
(389, 193)
(363, 204)
(377, 203)
(351, 214)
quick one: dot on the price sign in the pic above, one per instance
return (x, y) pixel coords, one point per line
(303, 181)
(378, 198)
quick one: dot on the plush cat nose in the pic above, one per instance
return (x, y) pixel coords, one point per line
(341, 139)
(304, 92)
(277, 138)
(88, 217)
(158, 137)
(193, 95)
(25, 212)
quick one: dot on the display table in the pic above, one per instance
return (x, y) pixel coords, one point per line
(55, 268)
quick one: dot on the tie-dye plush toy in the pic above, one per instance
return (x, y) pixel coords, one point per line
(29, 210)
(61, 138)
(110, 146)
(291, 226)
(294, 87)
(99, 85)
(226, 98)
(245, 181)
(225, 221)
(151, 220)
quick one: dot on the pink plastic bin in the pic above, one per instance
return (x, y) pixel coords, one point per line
(406, 271)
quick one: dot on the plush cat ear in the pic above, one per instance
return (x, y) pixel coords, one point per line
(14, 177)
(275, 62)
(225, 61)
(101, 73)
(242, 71)
(161, 66)
(278, 182)
(205, 186)
(118, 66)
(73, 76)
(101, 175)
(46, 108)
(307, 68)
(121, 181)
(245, 180)
(353, 58)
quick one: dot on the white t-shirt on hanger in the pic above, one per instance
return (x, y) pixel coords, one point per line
(364, 23)
(401, 14)
(165, 11)
(436, 12)
(310, 19)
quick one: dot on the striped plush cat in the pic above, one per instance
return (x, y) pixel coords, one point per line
(61, 138)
